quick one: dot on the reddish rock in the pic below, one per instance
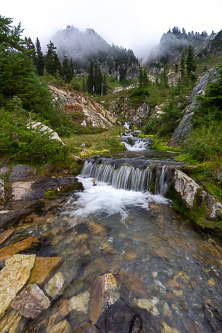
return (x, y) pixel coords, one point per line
(5, 235)
(104, 291)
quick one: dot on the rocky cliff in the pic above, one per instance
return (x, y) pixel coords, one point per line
(83, 108)
(185, 125)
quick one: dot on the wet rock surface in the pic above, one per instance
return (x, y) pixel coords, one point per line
(31, 301)
(13, 277)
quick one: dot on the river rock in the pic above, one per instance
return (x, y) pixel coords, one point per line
(185, 125)
(168, 329)
(2, 189)
(104, 292)
(5, 235)
(61, 327)
(80, 302)
(149, 305)
(31, 301)
(86, 328)
(43, 269)
(12, 322)
(21, 172)
(25, 244)
(185, 187)
(13, 277)
(54, 286)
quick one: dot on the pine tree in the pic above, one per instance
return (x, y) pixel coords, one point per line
(90, 80)
(52, 63)
(190, 62)
(39, 60)
(183, 71)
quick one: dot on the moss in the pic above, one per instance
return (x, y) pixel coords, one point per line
(215, 191)
(51, 194)
(198, 212)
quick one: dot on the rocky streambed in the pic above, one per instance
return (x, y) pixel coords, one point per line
(104, 258)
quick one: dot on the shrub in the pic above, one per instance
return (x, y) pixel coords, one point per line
(26, 144)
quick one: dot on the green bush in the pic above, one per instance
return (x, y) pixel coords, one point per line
(205, 143)
(23, 143)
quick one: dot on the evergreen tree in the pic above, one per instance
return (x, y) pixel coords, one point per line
(90, 80)
(104, 85)
(83, 85)
(98, 80)
(31, 48)
(183, 71)
(52, 63)
(39, 60)
(67, 71)
(190, 63)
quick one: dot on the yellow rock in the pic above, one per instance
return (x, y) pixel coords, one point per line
(80, 302)
(25, 244)
(43, 269)
(13, 277)
(178, 292)
(211, 282)
(168, 329)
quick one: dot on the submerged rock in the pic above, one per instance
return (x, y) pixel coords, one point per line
(54, 286)
(5, 235)
(13, 277)
(104, 292)
(25, 244)
(2, 189)
(86, 328)
(31, 301)
(80, 302)
(61, 327)
(43, 269)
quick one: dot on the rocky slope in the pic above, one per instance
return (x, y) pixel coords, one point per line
(85, 110)
(185, 125)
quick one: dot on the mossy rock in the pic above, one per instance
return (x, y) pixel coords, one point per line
(51, 194)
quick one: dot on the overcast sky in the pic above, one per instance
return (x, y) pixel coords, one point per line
(134, 24)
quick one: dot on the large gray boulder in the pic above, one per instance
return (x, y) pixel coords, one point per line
(185, 125)
(141, 114)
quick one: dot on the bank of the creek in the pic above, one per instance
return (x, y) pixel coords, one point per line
(111, 258)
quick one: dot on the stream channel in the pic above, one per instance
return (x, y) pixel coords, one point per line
(165, 275)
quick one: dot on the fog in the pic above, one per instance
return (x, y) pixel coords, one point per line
(133, 25)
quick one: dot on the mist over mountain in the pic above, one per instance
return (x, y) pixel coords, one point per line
(88, 46)
(175, 41)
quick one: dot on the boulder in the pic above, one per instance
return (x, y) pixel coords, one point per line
(185, 187)
(141, 114)
(31, 302)
(86, 328)
(43, 128)
(80, 302)
(13, 277)
(104, 292)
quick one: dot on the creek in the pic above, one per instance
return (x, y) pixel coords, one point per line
(168, 275)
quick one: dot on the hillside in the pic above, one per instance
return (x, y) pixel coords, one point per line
(88, 46)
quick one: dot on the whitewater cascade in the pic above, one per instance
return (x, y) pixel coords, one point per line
(130, 178)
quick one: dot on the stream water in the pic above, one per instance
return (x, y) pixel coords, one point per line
(168, 274)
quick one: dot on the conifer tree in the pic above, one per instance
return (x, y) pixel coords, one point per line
(90, 80)
(39, 59)
(52, 63)
(190, 63)
(183, 71)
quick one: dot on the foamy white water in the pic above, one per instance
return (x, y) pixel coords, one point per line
(104, 198)
(138, 146)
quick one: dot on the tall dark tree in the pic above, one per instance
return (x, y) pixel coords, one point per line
(183, 70)
(52, 63)
(67, 69)
(98, 80)
(30, 47)
(190, 63)
(90, 80)
(39, 59)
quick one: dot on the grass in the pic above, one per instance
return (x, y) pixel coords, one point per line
(100, 143)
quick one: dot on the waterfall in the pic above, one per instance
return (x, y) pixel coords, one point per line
(128, 177)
